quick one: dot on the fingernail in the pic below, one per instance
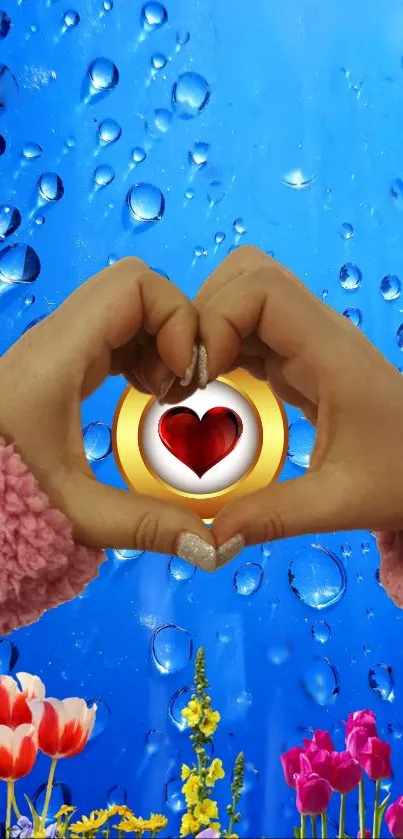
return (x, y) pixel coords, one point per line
(202, 366)
(165, 387)
(195, 550)
(187, 378)
(228, 550)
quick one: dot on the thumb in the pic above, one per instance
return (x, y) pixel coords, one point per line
(105, 517)
(291, 508)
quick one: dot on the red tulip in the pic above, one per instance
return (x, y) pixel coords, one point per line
(18, 751)
(64, 727)
(320, 761)
(368, 835)
(394, 818)
(375, 759)
(361, 719)
(320, 739)
(345, 772)
(290, 762)
(313, 793)
(14, 710)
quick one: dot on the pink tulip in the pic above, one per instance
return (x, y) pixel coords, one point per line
(394, 818)
(375, 759)
(368, 835)
(320, 761)
(320, 739)
(313, 793)
(345, 772)
(18, 751)
(356, 742)
(64, 727)
(290, 762)
(14, 710)
(361, 719)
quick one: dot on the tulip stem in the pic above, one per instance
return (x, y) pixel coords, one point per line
(303, 826)
(342, 817)
(375, 823)
(313, 824)
(9, 800)
(48, 792)
(323, 820)
(14, 803)
(362, 806)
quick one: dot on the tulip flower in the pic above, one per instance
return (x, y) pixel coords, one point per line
(375, 759)
(345, 772)
(313, 793)
(356, 741)
(394, 818)
(320, 761)
(368, 835)
(290, 762)
(14, 710)
(361, 719)
(64, 727)
(320, 739)
(18, 751)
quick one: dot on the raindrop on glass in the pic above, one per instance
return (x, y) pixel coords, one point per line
(71, 142)
(219, 237)
(71, 18)
(174, 797)
(355, 315)
(172, 648)
(34, 28)
(396, 189)
(159, 123)
(239, 226)
(146, 202)
(31, 151)
(124, 554)
(189, 194)
(390, 287)
(8, 87)
(97, 439)
(365, 548)
(158, 60)
(225, 633)
(3, 145)
(381, 682)
(29, 299)
(109, 131)
(345, 550)
(399, 337)
(199, 251)
(116, 795)
(153, 15)
(5, 24)
(104, 175)
(279, 652)
(19, 263)
(216, 192)
(301, 442)
(108, 5)
(10, 220)
(248, 578)
(321, 631)
(321, 682)
(112, 258)
(190, 94)
(102, 716)
(346, 230)
(39, 220)
(181, 570)
(61, 794)
(198, 154)
(297, 179)
(51, 187)
(395, 728)
(103, 74)
(182, 37)
(9, 656)
(138, 154)
(317, 577)
(350, 276)
(177, 704)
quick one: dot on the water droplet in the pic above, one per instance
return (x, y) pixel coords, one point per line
(104, 175)
(172, 648)
(182, 37)
(225, 633)
(108, 5)
(112, 258)
(3, 145)
(146, 202)
(297, 179)
(219, 237)
(350, 276)
(279, 652)
(396, 189)
(51, 187)
(97, 441)
(189, 194)
(346, 230)
(9, 656)
(39, 220)
(399, 337)
(138, 154)
(103, 74)
(32, 151)
(61, 794)
(370, 613)
(321, 682)
(29, 299)
(181, 570)
(19, 263)
(345, 549)
(301, 442)
(116, 795)
(321, 631)
(325, 294)
(155, 741)
(190, 94)
(317, 577)
(159, 123)
(109, 131)
(177, 704)
(158, 60)
(71, 142)
(102, 716)
(8, 87)
(5, 24)
(10, 220)
(199, 251)
(248, 578)
(381, 681)
(124, 554)
(216, 192)
(174, 797)
(395, 728)
(239, 226)
(390, 287)
(354, 315)
(34, 28)
(365, 548)
(153, 15)
(71, 18)
(378, 578)
(198, 154)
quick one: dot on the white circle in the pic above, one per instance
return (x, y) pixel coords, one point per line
(230, 469)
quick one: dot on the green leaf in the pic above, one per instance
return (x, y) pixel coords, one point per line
(36, 820)
(297, 833)
(382, 807)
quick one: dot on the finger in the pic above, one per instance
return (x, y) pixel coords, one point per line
(241, 261)
(105, 517)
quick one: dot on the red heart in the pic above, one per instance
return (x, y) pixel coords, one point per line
(200, 443)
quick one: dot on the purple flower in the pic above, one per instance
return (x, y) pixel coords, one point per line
(24, 829)
(208, 834)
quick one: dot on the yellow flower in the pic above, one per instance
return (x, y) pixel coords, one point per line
(191, 789)
(65, 810)
(119, 810)
(193, 712)
(233, 836)
(215, 772)
(134, 824)
(189, 825)
(157, 822)
(185, 772)
(215, 826)
(90, 823)
(209, 722)
(206, 810)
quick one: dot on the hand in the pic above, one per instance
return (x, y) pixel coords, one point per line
(129, 320)
(255, 314)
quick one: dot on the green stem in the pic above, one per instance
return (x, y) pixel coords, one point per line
(48, 792)
(362, 807)
(303, 826)
(342, 817)
(313, 825)
(13, 801)
(375, 823)
(8, 813)
(323, 820)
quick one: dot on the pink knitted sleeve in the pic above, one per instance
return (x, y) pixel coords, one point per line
(40, 565)
(390, 546)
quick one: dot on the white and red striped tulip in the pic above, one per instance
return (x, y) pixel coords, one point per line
(64, 726)
(14, 710)
(18, 751)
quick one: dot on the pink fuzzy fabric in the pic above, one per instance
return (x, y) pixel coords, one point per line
(40, 565)
(390, 546)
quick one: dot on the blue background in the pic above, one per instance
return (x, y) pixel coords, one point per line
(298, 85)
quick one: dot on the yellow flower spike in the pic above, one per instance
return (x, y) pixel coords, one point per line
(190, 825)
(215, 772)
(193, 712)
(185, 771)
(191, 790)
(208, 724)
(206, 810)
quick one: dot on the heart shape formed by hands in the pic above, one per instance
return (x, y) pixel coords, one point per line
(200, 443)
